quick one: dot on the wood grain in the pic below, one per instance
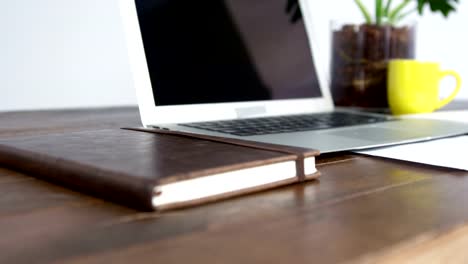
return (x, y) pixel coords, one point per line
(358, 211)
(323, 226)
(29, 123)
(431, 247)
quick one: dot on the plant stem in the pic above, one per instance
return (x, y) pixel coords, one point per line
(378, 11)
(364, 11)
(400, 17)
(395, 12)
(387, 8)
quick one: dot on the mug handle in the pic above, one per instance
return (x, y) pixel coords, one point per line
(447, 100)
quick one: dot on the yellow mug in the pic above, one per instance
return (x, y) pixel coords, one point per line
(413, 86)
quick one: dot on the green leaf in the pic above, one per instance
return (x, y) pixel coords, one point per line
(364, 11)
(442, 6)
(384, 9)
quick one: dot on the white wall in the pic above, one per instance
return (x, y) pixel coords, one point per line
(62, 53)
(69, 53)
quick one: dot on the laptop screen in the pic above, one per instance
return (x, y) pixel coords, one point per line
(218, 51)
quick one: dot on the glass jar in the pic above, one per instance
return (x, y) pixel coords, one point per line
(360, 54)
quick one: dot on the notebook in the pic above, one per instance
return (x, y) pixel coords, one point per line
(252, 70)
(160, 170)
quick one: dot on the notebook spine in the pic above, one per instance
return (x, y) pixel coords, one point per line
(101, 183)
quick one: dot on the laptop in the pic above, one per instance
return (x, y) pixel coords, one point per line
(249, 69)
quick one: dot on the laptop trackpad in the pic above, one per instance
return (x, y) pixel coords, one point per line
(377, 134)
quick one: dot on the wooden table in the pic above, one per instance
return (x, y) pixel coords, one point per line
(360, 210)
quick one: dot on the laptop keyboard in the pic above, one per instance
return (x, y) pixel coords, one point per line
(285, 124)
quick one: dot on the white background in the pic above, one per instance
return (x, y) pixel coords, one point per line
(69, 53)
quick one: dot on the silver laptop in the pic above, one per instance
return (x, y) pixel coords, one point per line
(249, 69)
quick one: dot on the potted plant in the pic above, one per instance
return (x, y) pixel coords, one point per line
(360, 52)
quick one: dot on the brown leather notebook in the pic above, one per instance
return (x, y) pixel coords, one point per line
(157, 171)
